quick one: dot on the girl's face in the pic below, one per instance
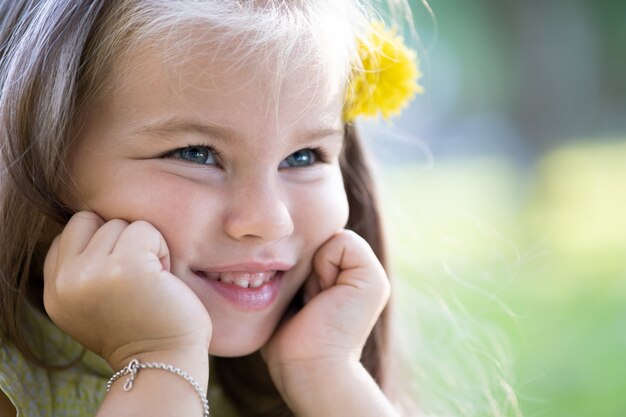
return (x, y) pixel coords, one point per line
(242, 178)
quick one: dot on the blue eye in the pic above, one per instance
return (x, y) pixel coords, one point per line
(301, 158)
(196, 154)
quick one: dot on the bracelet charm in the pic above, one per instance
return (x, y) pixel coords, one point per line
(133, 369)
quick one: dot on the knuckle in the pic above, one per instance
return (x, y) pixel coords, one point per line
(140, 227)
(88, 216)
(347, 235)
(98, 278)
(116, 223)
(352, 238)
(86, 270)
(114, 272)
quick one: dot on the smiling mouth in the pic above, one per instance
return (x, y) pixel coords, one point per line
(240, 278)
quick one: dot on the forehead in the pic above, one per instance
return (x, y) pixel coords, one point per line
(202, 74)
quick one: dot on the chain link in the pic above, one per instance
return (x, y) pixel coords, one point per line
(134, 366)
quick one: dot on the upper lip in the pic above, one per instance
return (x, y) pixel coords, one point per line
(252, 267)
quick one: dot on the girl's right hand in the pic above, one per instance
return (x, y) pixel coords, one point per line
(108, 285)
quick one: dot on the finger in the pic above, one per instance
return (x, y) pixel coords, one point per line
(311, 288)
(51, 261)
(141, 235)
(332, 258)
(78, 233)
(347, 264)
(349, 260)
(50, 275)
(105, 238)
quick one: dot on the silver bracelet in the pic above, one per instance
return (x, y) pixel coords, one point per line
(134, 366)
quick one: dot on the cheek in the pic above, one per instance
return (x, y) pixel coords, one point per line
(176, 208)
(138, 200)
(323, 212)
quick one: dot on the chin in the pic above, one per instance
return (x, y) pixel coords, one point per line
(243, 344)
(233, 351)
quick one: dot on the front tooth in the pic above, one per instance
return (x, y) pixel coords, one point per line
(257, 282)
(242, 283)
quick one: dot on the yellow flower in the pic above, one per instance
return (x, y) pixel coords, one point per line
(387, 78)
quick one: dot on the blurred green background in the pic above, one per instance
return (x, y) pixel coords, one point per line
(504, 186)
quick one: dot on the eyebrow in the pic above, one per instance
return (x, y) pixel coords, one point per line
(183, 126)
(222, 133)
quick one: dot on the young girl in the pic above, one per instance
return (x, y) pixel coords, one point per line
(183, 194)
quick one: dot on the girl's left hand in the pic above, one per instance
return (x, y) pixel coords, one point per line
(347, 291)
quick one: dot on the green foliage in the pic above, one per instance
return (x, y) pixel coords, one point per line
(515, 279)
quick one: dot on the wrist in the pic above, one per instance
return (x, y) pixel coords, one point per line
(333, 388)
(297, 381)
(192, 359)
(163, 381)
(196, 346)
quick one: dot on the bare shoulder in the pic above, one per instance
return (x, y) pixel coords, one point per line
(6, 406)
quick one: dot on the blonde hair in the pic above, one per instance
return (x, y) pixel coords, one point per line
(57, 57)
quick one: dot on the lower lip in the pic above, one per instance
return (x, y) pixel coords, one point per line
(248, 298)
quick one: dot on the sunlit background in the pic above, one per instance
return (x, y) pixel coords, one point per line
(504, 187)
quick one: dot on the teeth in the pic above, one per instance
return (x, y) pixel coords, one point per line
(242, 283)
(241, 278)
(257, 282)
(225, 279)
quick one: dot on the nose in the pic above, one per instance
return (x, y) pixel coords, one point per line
(257, 210)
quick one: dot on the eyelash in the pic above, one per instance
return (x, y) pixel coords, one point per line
(321, 155)
(173, 153)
